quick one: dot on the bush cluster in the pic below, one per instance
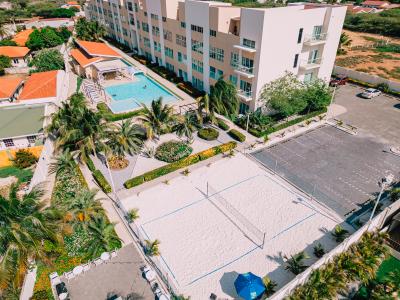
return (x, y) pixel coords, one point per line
(24, 159)
(190, 160)
(188, 88)
(173, 151)
(111, 117)
(208, 134)
(236, 135)
(221, 124)
(102, 181)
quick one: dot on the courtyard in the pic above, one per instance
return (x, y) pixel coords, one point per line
(227, 218)
(338, 169)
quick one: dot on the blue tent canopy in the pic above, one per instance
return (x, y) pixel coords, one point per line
(249, 286)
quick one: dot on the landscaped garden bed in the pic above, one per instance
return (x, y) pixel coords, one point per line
(111, 117)
(208, 134)
(173, 151)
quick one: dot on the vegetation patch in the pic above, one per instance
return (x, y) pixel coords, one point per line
(108, 115)
(208, 134)
(102, 181)
(237, 135)
(221, 124)
(24, 159)
(173, 151)
(190, 160)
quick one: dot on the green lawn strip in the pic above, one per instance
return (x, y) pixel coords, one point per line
(111, 117)
(23, 175)
(389, 265)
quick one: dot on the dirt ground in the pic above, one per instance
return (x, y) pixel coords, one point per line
(362, 56)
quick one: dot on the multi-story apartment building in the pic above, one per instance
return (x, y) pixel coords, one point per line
(203, 40)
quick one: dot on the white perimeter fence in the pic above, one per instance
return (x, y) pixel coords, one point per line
(376, 224)
(368, 78)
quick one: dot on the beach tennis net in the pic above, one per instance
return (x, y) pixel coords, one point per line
(253, 233)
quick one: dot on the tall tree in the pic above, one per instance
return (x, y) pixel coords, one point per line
(89, 30)
(103, 236)
(48, 60)
(225, 94)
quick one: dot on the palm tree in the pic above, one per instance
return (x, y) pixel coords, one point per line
(133, 214)
(3, 31)
(207, 108)
(125, 138)
(340, 233)
(185, 126)
(270, 286)
(25, 225)
(295, 263)
(103, 236)
(224, 94)
(153, 247)
(344, 41)
(319, 250)
(96, 30)
(63, 163)
(157, 118)
(84, 207)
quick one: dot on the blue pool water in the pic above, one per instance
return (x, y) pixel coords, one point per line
(128, 96)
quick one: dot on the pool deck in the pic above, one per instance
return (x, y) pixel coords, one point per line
(185, 98)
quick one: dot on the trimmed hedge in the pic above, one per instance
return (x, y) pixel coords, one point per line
(173, 151)
(221, 124)
(102, 181)
(190, 160)
(90, 165)
(189, 89)
(111, 117)
(236, 135)
(208, 134)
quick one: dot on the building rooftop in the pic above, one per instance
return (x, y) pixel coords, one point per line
(22, 37)
(18, 121)
(97, 49)
(8, 86)
(40, 85)
(14, 51)
(83, 59)
(375, 3)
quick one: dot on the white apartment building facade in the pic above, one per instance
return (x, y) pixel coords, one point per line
(203, 40)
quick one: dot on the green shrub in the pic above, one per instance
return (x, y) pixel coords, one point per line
(189, 89)
(90, 165)
(236, 135)
(255, 132)
(208, 134)
(24, 159)
(102, 181)
(183, 163)
(111, 117)
(221, 124)
(173, 151)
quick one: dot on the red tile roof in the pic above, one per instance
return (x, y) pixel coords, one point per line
(8, 86)
(14, 51)
(21, 37)
(83, 59)
(40, 85)
(72, 3)
(97, 49)
(375, 3)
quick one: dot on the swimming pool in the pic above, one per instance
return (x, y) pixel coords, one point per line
(128, 96)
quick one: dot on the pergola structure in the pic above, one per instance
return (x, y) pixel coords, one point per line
(109, 68)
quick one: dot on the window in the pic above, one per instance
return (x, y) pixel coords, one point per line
(183, 24)
(249, 43)
(300, 36)
(31, 139)
(154, 17)
(182, 57)
(124, 32)
(145, 13)
(296, 59)
(168, 35)
(197, 83)
(313, 57)
(138, 25)
(130, 7)
(220, 74)
(245, 87)
(169, 66)
(183, 75)
(197, 46)
(136, 7)
(234, 59)
(247, 63)
(169, 52)
(233, 79)
(8, 142)
(308, 77)
(131, 20)
(157, 46)
(155, 30)
(146, 42)
(197, 65)
(145, 27)
(213, 74)
(213, 33)
(164, 19)
(317, 32)
(197, 28)
(181, 40)
(243, 108)
(217, 53)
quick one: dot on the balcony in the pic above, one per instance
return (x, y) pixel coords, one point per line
(245, 48)
(244, 70)
(245, 95)
(315, 39)
(309, 64)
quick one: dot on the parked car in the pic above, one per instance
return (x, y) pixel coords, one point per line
(338, 80)
(370, 93)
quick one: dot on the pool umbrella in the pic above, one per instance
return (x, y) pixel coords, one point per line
(249, 286)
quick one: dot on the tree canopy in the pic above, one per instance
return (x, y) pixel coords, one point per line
(47, 60)
(5, 62)
(44, 38)
(7, 42)
(224, 96)
(89, 30)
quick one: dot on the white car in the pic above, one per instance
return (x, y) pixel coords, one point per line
(370, 93)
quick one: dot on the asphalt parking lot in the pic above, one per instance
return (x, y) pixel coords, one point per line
(339, 169)
(379, 116)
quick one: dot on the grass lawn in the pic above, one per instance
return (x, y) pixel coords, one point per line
(387, 266)
(23, 175)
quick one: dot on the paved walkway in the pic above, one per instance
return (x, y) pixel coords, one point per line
(120, 276)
